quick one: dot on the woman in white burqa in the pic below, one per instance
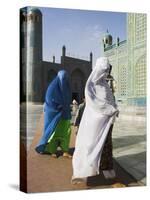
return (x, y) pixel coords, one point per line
(98, 116)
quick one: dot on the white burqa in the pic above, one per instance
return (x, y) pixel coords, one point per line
(97, 118)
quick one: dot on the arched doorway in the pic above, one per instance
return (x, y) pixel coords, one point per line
(77, 85)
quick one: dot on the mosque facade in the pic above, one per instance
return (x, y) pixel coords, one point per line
(36, 74)
(128, 59)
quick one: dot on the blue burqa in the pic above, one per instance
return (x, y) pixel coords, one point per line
(56, 107)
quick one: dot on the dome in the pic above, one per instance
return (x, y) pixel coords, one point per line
(24, 10)
(34, 10)
(30, 10)
(107, 39)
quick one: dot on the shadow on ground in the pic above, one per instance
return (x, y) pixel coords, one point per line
(59, 153)
(128, 140)
(131, 162)
(121, 177)
(94, 181)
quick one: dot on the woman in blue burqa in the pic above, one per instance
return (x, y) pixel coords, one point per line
(57, 115)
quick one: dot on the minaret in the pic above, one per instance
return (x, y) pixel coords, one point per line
(53, 59)
(63, 55)
(34, 20)
(64, 51)
(32, 44)
(91, 58)
(117, 41)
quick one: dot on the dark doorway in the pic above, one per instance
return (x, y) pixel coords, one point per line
(77, 84)
(75, 96)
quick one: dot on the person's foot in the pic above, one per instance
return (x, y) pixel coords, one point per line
(75, 181)
(53, 155)
(67, 155)
(118, 185)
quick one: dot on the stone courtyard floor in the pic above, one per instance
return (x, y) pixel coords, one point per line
(129, 148)
(46, 174)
